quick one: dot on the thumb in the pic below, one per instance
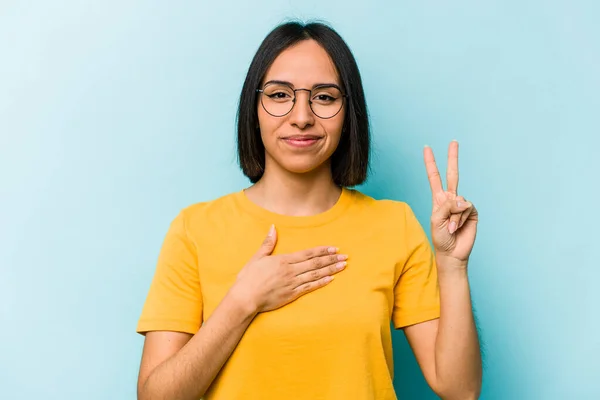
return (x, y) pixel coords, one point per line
(268, 245)
(448, 208)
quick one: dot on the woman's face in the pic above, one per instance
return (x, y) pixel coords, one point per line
(300, 141)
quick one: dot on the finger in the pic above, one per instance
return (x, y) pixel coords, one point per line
(268, 245)
(471, 215)
(449, 207)
(319, 263)
(311, 286)
(452, 170)
(455, 219)
(435, 181)
(465, 216)
(307, 254)
(316, 274)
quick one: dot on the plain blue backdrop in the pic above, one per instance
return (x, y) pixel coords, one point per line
(114, 115)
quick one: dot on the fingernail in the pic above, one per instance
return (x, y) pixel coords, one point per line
(328, 278)
(426, 146)
(340, 265)
(342, 257)
(333, 250)
(272, 230)
(452, 227)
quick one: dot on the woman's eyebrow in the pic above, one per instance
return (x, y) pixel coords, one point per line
(328, 84)
(279, 82)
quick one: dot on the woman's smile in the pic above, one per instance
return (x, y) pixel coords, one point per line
(301, 141)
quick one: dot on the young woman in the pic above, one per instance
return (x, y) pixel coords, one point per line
(235, 312)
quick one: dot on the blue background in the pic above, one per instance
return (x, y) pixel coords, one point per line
(115, 115)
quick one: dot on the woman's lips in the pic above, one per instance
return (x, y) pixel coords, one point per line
(301, 141)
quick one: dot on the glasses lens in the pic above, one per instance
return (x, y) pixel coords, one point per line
(277, 99)
(326, 101)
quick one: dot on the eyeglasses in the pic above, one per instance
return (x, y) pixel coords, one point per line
(278, 99)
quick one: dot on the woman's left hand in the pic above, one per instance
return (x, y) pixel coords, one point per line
(453, 219)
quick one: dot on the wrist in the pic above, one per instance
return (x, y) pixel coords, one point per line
(242, 301)
(451, 263)
(449, 266)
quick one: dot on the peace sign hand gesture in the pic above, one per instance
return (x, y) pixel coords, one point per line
(453, 219)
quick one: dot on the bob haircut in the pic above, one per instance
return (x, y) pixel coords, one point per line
(350, 161)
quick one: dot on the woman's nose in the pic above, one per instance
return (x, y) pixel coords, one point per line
(302, 114)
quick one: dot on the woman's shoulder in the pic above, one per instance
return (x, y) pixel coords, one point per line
(389, 215)
(380, 205)
(210, 206)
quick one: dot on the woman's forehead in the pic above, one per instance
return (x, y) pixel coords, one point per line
(304, 65)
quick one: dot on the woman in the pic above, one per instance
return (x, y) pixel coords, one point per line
(229, 317)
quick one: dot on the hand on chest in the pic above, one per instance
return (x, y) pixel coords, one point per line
(364, 289)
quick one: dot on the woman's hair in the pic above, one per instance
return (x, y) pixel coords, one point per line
(350, 161)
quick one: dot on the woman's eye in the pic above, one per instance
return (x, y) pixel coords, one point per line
(324, 97)
(279, 95)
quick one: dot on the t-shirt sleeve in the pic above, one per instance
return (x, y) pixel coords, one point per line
(416, 292)
(174, 301)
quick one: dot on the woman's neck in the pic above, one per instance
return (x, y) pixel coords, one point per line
(296, 194)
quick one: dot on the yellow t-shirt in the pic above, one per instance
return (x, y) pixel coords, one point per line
(333, 343)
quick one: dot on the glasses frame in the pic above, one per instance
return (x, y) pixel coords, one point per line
(310, 102)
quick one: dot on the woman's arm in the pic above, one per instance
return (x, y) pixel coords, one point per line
(447, 349)
(457, 354)
(190, 368)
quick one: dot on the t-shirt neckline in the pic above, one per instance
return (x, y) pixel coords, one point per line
(295, 221)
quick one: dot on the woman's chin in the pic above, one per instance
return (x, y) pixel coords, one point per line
(306, 167)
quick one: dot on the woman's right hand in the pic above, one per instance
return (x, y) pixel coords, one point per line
(268, 282)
